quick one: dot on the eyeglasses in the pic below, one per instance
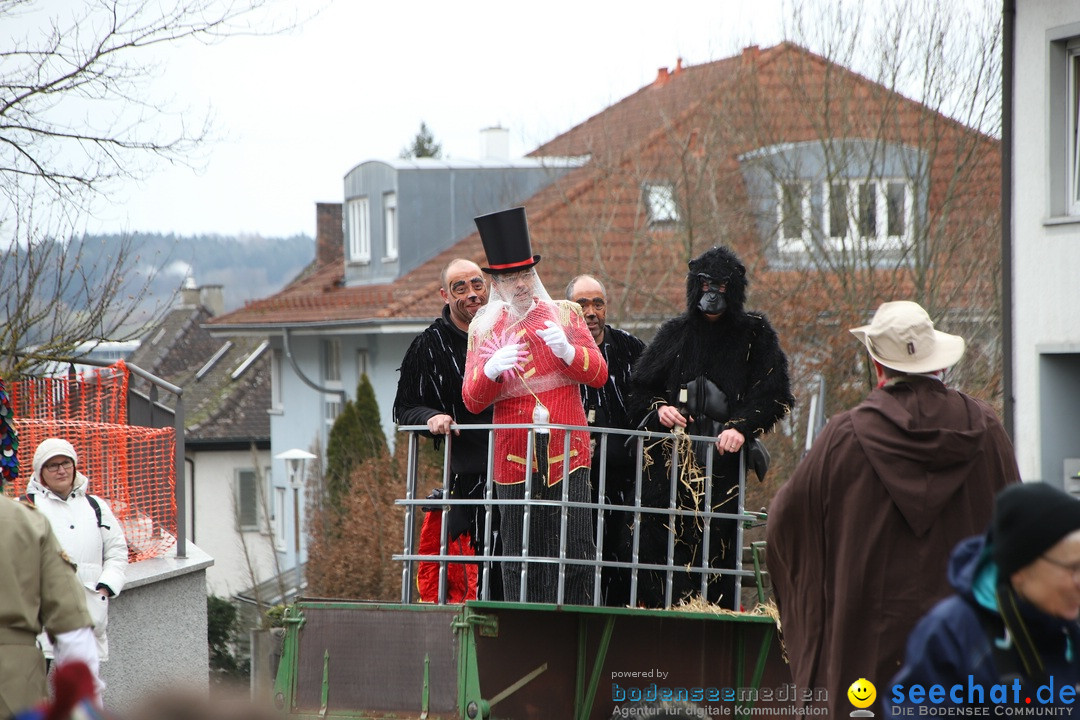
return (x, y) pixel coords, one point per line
(462, 287)
(1073, 568)
(58, 466)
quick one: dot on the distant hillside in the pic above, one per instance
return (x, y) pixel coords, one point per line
(247, 267)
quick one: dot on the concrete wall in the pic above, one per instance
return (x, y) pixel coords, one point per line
(157, 631)
(1045, 241)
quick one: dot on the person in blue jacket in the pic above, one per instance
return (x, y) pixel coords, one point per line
(1010, 635)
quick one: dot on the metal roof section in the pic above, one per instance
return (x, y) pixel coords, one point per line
(526, 163)
(250, 359)
(213, 359)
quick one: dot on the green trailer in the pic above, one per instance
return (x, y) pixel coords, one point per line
(347, 659)
(522, 660)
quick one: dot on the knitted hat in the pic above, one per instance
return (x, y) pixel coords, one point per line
(50, 448)
(1029, 519)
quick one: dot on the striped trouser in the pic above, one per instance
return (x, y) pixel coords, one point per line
(544, 524)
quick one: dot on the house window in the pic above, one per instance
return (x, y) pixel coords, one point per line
(1073, 128)
(876, 212)
(247, 499)
(279, 519)
(332, 360)
(390, 225)
(277, 359)
(793, 215)
(1063, 116)
(896, 208)
(359, 217)
(362, 367)
(331, 409)
(868, 210)
(660, 203)
(839, 211)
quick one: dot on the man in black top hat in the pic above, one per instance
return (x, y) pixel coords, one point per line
(527, 355)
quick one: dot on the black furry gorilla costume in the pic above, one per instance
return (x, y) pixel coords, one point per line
(740, 354)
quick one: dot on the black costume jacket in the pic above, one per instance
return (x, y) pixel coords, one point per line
(430, 384)
(740, 353)
(607, 406)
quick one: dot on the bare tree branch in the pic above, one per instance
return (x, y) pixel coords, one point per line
(79, 110)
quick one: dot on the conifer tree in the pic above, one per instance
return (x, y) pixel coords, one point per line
(356, 436)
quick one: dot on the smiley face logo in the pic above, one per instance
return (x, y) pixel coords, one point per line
(862, 693)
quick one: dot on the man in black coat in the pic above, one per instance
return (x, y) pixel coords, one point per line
(714, 370)
(429, 393)
(605, 407)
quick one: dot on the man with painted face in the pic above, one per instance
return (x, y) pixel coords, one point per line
(527, 355)
(429, 393)
(605, 407)
(715, 370)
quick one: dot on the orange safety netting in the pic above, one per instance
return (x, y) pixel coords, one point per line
(131, 467)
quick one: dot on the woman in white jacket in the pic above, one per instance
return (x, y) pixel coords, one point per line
(94, 542)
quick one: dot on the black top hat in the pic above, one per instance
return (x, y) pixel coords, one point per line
(505, 235)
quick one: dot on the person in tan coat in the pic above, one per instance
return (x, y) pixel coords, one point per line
(38, 590)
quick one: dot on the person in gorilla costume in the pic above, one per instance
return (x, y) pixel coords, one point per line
(715, 370)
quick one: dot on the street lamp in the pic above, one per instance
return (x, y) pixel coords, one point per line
(296, 463)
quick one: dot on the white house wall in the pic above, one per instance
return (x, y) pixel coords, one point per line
(216, 530)
(1046, 246)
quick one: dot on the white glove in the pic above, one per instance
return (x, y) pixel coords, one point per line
(505, 358)
(81, 646)
(555, 337)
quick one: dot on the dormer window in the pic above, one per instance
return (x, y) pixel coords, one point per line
(390, 229)
(358, 218)
(660, 203)
(871, 214)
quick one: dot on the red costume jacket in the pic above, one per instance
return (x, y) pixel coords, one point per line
(563, 402)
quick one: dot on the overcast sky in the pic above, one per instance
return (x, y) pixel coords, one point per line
(296, 112)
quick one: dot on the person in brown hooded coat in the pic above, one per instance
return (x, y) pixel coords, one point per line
(859, 537)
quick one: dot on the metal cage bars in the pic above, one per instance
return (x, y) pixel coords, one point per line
(487, 561)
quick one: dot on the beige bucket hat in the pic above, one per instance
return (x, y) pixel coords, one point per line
(901, 336)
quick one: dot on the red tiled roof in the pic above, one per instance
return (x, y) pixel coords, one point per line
(635, 131)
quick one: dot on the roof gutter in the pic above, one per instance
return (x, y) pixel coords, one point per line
(373, 326)
(340, 392)
(1008, 44)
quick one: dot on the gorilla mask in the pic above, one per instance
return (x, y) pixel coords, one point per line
(712, 300)
(716, 283)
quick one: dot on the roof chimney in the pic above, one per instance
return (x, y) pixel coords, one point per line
(329, 235)
(662, 76)
(210, 297)
(189, 292)
(750, 54)
(495, 143)
(678, 66)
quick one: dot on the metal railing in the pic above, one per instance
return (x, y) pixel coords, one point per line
(489, 562)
